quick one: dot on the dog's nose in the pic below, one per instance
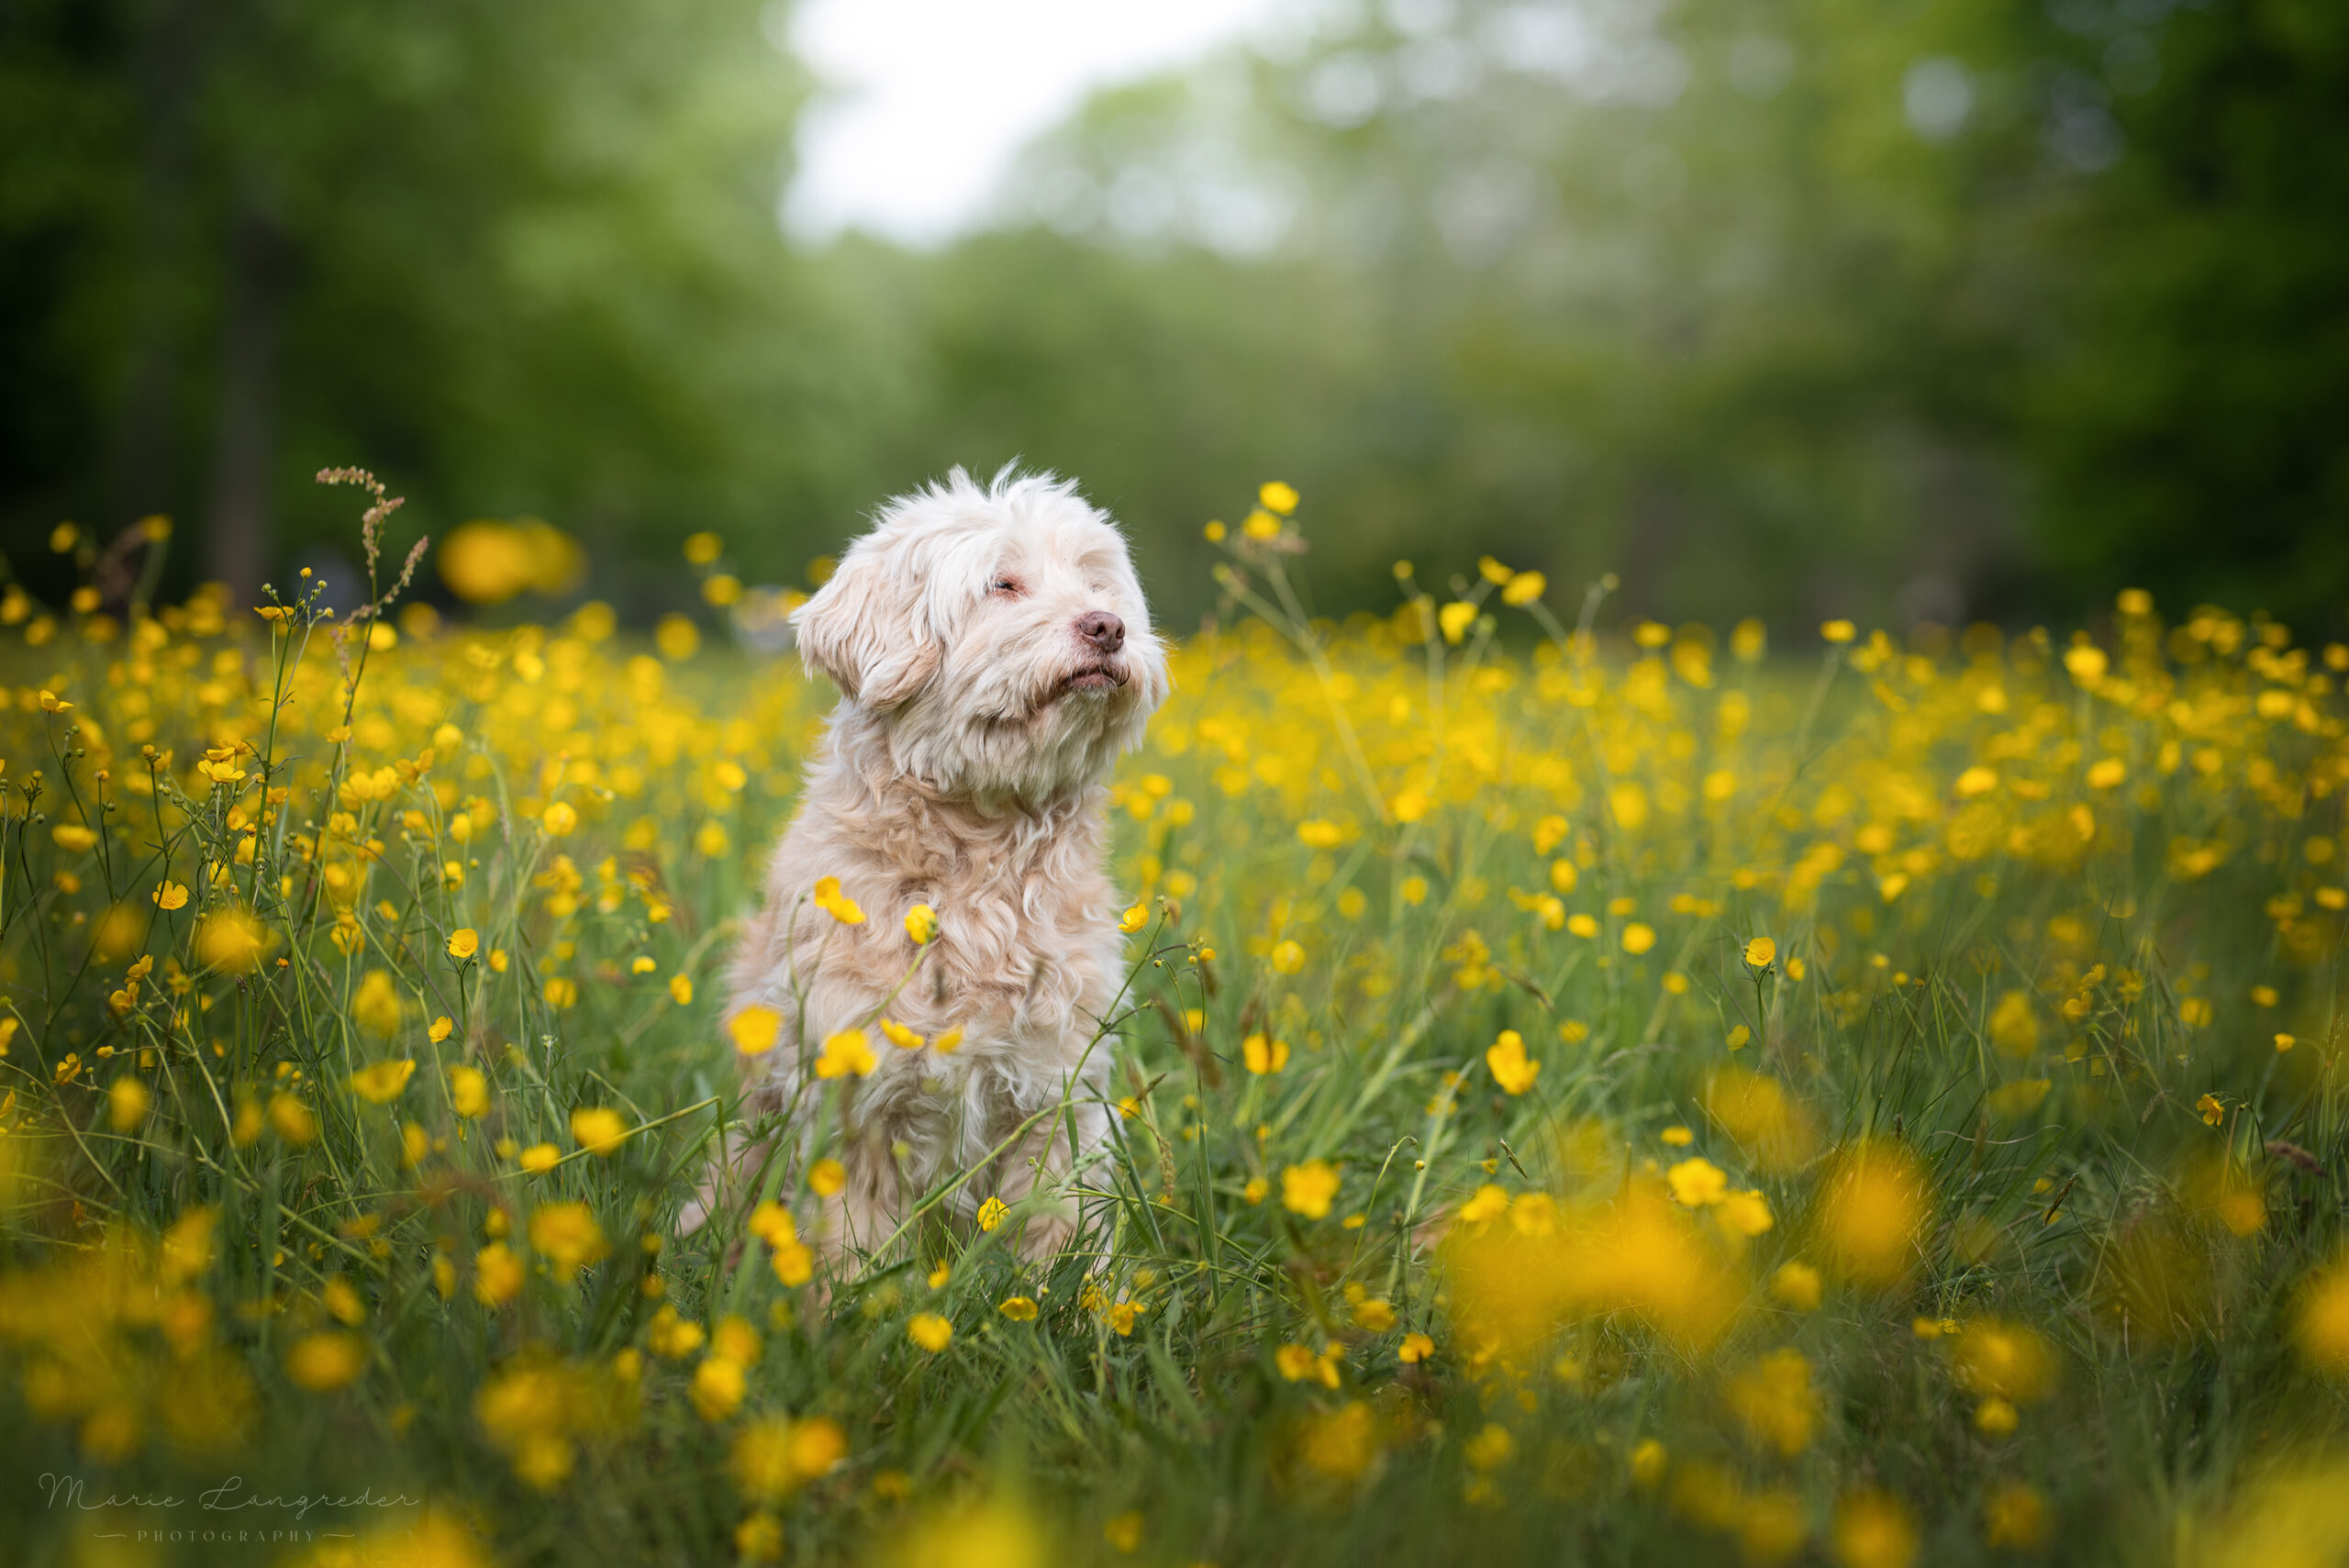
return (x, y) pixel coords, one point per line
(1102, 630)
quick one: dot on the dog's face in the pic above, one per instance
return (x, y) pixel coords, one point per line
(998, 635)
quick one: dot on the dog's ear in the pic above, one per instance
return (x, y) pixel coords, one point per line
(868, 630)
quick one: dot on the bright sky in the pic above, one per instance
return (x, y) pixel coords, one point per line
(931, 98)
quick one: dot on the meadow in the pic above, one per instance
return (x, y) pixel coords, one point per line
(1588, 1091)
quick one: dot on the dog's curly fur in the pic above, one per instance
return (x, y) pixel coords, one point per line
(984, 699)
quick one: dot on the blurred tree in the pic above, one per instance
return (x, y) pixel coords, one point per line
(2192, 437)
(521, 257)
(1730, 297)
(1819, 306)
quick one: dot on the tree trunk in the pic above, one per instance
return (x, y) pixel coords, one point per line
(237, 539)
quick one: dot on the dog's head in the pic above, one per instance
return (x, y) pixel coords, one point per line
(997, 635)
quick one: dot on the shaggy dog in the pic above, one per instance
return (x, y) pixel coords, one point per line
(993, 657)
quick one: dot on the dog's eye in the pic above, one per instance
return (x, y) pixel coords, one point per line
(1003, 585)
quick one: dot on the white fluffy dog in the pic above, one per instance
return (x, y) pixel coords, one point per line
(993, 657)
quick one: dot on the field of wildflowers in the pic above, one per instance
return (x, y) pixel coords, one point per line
(1588, 1091)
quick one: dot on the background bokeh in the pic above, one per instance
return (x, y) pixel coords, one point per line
(1914, 311)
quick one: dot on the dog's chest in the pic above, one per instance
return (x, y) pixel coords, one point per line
(1035, 961)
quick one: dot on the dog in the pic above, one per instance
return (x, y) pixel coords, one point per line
(993, 657)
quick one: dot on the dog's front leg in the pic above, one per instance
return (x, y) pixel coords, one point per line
(1045, 1164)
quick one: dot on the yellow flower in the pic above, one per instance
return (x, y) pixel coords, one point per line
(793, 1262)
(381, 1083)
(567, 1236)
(838, 905)
(128, 1100)
(291, 1120)
(1261, 525)
(1019, 1308)
(947, 1041)
(2014, 1517)
(921, 925)
(1256, 1189)
(1134, 919)
(170, 895)
(2014, 1026)
(1309, 1189)
(773, 1457)
(464, 942)
(1123, 1531)
(1874, 1531)
(2214, 1110)
(1677, 1137)
(1796, 1286)
(497, 1274)
(900, 1036)
(931, 1331)
(230, 940)
(1838, 631)
(1649, 1461)
(440, 1030)
(771, 1223)
(716, 1390)
(468, 1092)
(734, 1339)
(1743, 1214)
(541, 1157)
(846, 1053)
(1761, 952)
(2321, 1318)
(1976, 782)
(2085, 663)
(1415, 1348)
(681, 990)
(1638, 936)
(991, 1213)
(1697, 1183)
(1523, 588)
(1276, 496)
(1287, 957)
(326, 1361)
(1455, 618)
(825, 1177)
(1263, 1056)
(599, 1129)
(1375, 1314)
(1512, 1068)
(755, 1029)
(558, 820)
(1775, 1399)
(759, 1538)
(1873, 1209)
(1490, 1202)
(1296, 1363)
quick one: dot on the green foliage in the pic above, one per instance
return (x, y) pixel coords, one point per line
(1811, 307)
(2191, 436)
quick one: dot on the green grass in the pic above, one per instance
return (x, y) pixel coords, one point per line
(1394, 804)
